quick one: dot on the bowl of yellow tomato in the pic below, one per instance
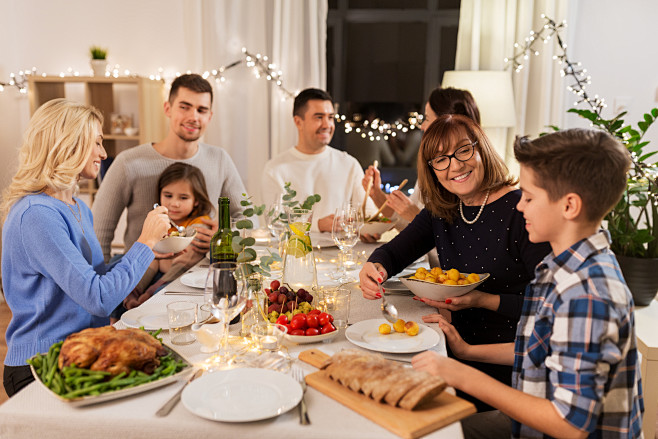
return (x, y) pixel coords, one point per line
(438, 284)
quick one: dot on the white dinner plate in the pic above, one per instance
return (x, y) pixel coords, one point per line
(241, 395)
(194, 279)
(152, 316)
(366, 334)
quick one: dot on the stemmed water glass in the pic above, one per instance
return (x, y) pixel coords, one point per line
(227, 296)
(348, 220)
(275, 217)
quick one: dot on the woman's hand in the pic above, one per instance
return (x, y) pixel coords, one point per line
(155, 226)
(369, 275)
(472, 299)
(370, 238)
(402, 205)
(376, 192)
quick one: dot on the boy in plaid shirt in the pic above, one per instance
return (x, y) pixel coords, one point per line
(576, 371)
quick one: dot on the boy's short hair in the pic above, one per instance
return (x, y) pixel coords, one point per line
(191, 81)
(590, 163)
(299, 107)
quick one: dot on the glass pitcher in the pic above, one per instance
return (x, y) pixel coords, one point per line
(299, 261)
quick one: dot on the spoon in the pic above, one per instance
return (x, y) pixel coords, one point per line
(389, 310)
(181, 229)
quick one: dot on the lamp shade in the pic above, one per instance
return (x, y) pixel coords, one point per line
(492, 91)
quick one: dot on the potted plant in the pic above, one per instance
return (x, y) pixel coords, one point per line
(632, 222)
(98, 60)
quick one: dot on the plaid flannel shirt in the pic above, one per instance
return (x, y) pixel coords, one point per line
(575, 342)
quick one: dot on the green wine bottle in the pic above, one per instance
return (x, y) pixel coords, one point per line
(221, 249)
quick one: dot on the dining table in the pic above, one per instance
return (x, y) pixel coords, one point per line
(34, 411)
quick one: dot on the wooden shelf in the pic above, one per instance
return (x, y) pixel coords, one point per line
(109, 95)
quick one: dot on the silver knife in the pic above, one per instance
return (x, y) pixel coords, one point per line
(184, 293)
(166, 408)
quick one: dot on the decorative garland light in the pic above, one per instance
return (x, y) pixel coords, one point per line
(569, 69)
(19, 81)
(378, 129)
(641, 173)
(374, 130)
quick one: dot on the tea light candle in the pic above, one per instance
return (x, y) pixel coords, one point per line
(269, 342)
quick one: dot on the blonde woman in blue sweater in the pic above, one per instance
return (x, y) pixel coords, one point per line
(53, 274)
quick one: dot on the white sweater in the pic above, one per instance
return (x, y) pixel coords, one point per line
(334, 175)
(132, 182)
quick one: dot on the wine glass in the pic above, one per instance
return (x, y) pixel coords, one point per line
(348, 220)
(275, 218)
(227, 296)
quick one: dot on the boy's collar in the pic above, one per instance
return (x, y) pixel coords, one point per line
(579, 252)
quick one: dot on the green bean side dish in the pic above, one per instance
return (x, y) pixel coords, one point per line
(74, 382)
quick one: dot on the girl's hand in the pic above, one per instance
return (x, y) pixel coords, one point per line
(201, 241)
(369, 275)
(155, 226)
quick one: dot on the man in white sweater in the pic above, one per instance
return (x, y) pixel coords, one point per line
(314, 167)
(131, 181)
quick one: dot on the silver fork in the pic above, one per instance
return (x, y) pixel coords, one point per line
(298, 374)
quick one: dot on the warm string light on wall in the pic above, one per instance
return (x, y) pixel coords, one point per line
(569, 69)
(574, 70)
(262, 68)
(378, 129)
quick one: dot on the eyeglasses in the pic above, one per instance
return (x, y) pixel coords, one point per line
(463, 153)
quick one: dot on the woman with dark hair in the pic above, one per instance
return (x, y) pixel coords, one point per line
(470, 217)
(399, 206)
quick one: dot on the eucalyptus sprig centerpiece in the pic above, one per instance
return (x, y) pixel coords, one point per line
(246, 255)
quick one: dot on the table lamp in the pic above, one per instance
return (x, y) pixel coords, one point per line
(492, 91)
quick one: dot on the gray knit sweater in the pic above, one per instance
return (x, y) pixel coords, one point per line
(131, 182)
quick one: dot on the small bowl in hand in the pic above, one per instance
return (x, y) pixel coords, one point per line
(172, 244)
(377, 227)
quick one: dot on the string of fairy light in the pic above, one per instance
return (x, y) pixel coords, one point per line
(641, 173)
(262, 68)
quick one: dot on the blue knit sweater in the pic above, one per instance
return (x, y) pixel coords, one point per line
(53, 275)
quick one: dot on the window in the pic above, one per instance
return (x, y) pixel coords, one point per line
(384, 57)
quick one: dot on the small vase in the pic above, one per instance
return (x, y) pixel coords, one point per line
(641, 278)
(99, 66)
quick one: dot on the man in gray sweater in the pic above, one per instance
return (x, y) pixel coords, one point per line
(131, 181)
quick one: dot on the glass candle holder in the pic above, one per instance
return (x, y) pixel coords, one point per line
(268, 338)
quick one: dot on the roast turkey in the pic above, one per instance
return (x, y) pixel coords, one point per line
(110, 350)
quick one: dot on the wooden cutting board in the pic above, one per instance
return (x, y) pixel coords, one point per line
(409, 424)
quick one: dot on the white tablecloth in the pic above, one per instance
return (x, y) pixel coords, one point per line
(33, 412)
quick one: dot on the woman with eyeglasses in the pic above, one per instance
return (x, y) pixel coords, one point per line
(470, 217)
(398, 206)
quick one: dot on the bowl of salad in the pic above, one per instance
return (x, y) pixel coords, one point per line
(378, 226)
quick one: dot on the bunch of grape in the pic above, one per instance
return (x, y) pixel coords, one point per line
(286, 301)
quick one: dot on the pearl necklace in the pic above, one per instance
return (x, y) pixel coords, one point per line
(477, 217)
(79, 220)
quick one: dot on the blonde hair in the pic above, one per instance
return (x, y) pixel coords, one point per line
(443, 132)
(56, 147)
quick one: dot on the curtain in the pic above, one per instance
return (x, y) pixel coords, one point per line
(252, 118)
(487, 33)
